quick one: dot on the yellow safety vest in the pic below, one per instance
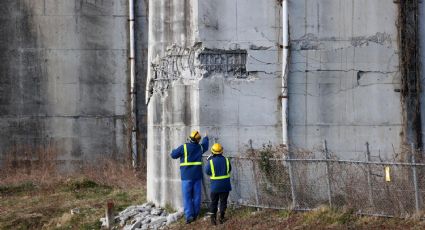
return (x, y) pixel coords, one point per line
(186, 163)
(214, 177)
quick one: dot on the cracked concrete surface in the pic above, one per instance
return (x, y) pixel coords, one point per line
(230, 85)
(212, 65)
(344, 81)
(344, 77)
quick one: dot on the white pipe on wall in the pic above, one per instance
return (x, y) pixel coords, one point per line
(285, 58)
(132, 85)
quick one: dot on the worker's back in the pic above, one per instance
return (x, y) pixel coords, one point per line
(191, 159)
(219, 171)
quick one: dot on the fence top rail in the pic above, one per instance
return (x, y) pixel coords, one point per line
(332, 160)
(358, 162)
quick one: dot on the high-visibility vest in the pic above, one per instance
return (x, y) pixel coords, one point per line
(214, 177)
(186, 162)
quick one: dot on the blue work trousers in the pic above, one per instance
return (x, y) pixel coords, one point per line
(191, 190)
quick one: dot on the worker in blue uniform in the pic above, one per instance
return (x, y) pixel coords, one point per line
(190, 155)
(218, 168)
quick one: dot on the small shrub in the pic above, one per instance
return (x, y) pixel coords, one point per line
(81, 184)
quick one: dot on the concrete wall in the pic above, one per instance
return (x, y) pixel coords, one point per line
(216, 68)
(141, 38)
(64, 76)
(211, 65)
(343, 80)
(421, 51)
(344, 74)
(169, 110)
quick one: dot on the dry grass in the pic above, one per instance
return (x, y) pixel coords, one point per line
(36, 194)
(42, 167)
(25, 164)
(39, 207)
(320, 218)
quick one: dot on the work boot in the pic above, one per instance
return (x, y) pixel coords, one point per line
(222, 219)
(213, 219)
(189, 220)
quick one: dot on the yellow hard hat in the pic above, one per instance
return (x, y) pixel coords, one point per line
(195, 136)
(217, 149)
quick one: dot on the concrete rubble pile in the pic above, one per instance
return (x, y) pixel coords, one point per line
(145, 216)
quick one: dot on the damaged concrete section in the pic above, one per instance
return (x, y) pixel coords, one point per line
(311, 41)
(195, 63)
(226, 62)
(378, 38)
(224, 79)
(346, 74)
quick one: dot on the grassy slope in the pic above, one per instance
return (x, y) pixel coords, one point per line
(27, 206)
(322, 218)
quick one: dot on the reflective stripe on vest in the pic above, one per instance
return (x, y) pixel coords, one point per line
(186, 163)
(213, 177)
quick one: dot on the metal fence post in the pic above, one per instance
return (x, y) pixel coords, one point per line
(325, 147)
(369, 173)
(292, 181)
(254, 171)
(415, 179)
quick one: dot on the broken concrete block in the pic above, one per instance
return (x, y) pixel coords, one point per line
(158, 220)
(140, 208)
(75, 211)
(103, 221)
(146, 221)
(174, 217)
(128, 215)
(126, 210)
(133, 226)
(156, 212)
(146, 216)
(149, 205)
(142, 215)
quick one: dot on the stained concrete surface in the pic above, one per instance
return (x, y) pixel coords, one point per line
(421, 45)
(344, 74)
(215, 68)
(343, 81)
(141, 30)
(64, 79)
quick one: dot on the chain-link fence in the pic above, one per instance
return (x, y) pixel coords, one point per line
(303, 180)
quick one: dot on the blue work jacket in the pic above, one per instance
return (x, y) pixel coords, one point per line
(191, 163)
(219, 173)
